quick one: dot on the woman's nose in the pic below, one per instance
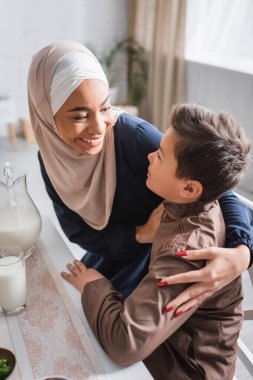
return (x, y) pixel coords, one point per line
(97, 125)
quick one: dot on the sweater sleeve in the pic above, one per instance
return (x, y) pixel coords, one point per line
(102, 242)
(238, 219)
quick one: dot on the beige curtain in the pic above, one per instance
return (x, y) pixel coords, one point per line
(158, 25)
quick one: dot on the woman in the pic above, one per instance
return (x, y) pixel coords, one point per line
(94, 163)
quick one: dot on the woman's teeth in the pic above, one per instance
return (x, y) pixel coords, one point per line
(93, 142)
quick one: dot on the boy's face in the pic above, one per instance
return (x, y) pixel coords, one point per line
(162, 178)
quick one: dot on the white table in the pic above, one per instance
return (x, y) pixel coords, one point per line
(13, 330)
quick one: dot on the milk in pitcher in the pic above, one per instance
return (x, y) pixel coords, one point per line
(19, 226)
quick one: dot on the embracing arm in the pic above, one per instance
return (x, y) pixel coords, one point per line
(239, 222)
(223, 264)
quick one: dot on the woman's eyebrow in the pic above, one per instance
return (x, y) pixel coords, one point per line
(87, 108)
(108, 96)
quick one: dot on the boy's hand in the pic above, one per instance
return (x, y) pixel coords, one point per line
(80, 275)
(146, 232)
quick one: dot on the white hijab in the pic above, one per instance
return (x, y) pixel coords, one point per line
(86, 184)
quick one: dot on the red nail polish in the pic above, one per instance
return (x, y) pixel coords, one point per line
(168, 309)
(182, 253)
(161, 283)
(178, 313)
(189, 308)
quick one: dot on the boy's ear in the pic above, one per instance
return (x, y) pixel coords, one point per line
(192, 190)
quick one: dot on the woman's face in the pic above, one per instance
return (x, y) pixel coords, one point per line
(83, 119)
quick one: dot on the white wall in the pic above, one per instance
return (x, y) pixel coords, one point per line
(28, 25)
(227, 90)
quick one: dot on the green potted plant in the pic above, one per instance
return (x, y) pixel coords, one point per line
(137, 68)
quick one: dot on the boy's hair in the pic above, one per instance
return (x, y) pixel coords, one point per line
(212, 148)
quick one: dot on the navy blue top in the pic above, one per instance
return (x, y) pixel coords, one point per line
(114, 251)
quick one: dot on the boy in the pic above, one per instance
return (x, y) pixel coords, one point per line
(201, 156)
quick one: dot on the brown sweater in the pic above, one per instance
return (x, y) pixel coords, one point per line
(200, 344)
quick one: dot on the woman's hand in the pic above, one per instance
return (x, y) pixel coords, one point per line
(223, 266)
(146, 232)
(80, 275)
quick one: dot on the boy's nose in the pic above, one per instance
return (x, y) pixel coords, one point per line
(150, 157)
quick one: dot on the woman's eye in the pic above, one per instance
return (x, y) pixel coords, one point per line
(81, 117)
(158, 155)
(106, 109)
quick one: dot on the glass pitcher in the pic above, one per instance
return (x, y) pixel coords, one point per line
(20, 221)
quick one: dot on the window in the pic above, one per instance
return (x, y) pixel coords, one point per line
(220, 33)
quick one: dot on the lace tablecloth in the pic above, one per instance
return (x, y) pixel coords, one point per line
(49, 326)
(52, 336)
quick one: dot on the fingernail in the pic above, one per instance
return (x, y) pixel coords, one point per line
(168, 309)
(178, 313)
(161, 283)
(182, 253)
(188, 309)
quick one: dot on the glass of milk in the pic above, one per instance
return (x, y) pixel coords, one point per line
(12, 279)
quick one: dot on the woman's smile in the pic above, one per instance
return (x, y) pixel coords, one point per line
(94, 142)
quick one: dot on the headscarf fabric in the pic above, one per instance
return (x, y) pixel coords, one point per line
(86, 184)
(72, 69)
